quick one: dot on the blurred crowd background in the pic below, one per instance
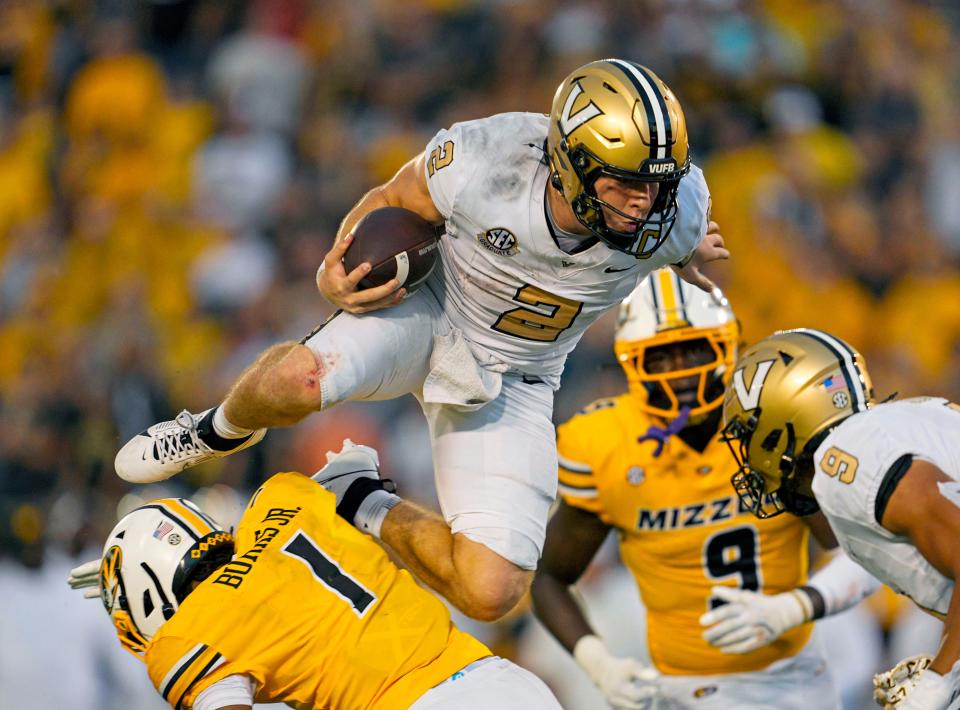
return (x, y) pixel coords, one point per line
(172, 173)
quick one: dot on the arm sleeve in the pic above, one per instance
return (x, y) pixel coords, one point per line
(446, 164)
(841, 584)
(576, 455)
(693, 202)
(232, 690)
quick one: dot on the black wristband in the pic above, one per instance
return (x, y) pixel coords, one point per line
(358, 491)
(817, 602)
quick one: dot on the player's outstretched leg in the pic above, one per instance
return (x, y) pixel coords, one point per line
(279, 389)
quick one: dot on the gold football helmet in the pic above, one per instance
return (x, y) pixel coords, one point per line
(665, 309)
(786, 394)
(617, 118)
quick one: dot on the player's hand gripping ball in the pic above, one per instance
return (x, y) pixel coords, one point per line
(397, 243)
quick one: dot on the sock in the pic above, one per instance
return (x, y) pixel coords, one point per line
(373, 511)
(219, 434)
(223, 427)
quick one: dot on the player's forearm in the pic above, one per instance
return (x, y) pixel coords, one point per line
(949, 652)
(373, 200)
(838, 586)
(557, 609)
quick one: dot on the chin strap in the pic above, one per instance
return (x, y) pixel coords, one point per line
(661, 434)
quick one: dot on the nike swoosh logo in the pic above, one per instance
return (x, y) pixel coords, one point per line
(611, 270)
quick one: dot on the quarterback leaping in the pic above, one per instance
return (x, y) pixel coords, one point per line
(550, 221)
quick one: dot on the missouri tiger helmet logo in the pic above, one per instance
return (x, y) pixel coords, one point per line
(110, 583)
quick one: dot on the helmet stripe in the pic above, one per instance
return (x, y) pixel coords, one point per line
(195, 526)
(848, 366)
(165, 509)
(668, 126)
(197, 522)
(669, 298)
(193, 506)
(681, 299)
(656, 301)
(657, 117)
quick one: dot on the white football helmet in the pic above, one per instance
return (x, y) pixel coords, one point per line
(664, 309)
(150, 560)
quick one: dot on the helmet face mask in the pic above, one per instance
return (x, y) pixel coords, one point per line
(802, 383)
(151, 562)
(664, 315)
(617, 119)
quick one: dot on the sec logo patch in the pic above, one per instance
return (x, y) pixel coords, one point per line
(500, 241)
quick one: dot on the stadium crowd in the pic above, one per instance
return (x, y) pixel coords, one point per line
(172, 173)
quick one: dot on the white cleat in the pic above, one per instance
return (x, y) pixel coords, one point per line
(344, 467)
(169, 447)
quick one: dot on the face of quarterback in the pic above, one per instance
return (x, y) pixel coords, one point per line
(631, 201)
(673, 357)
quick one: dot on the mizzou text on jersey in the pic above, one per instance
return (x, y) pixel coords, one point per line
(682, 531)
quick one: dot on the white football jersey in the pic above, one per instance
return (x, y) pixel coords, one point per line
(851, 465)
(518, 298)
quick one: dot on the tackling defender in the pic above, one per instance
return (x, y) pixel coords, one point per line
(301, 608)
(803, 423)
(651, 465)
(550, 221)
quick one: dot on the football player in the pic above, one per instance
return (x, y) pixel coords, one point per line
(300, 608)
(550, 221)
(803, 423)
(650, 464)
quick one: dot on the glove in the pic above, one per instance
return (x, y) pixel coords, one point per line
(353, 476)
(911, 685)
(87, 578)
(751, 620)
(625, 682)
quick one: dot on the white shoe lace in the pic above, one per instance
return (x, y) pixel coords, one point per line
(178, 444)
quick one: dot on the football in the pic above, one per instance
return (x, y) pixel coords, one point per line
(398, 244)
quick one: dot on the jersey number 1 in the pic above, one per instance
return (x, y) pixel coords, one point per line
(329, 574)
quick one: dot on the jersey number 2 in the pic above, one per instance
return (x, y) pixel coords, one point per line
(733, 552)
(329, 574)
(544, 325)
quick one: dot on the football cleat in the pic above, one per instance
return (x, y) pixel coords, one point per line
(351, 474)
(343, 467)
(169, 447)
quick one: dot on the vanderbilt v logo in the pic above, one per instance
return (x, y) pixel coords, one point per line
(750, 398)
(571, 122)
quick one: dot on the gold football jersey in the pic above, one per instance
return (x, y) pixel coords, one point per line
(681, 532)
(313, 611)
